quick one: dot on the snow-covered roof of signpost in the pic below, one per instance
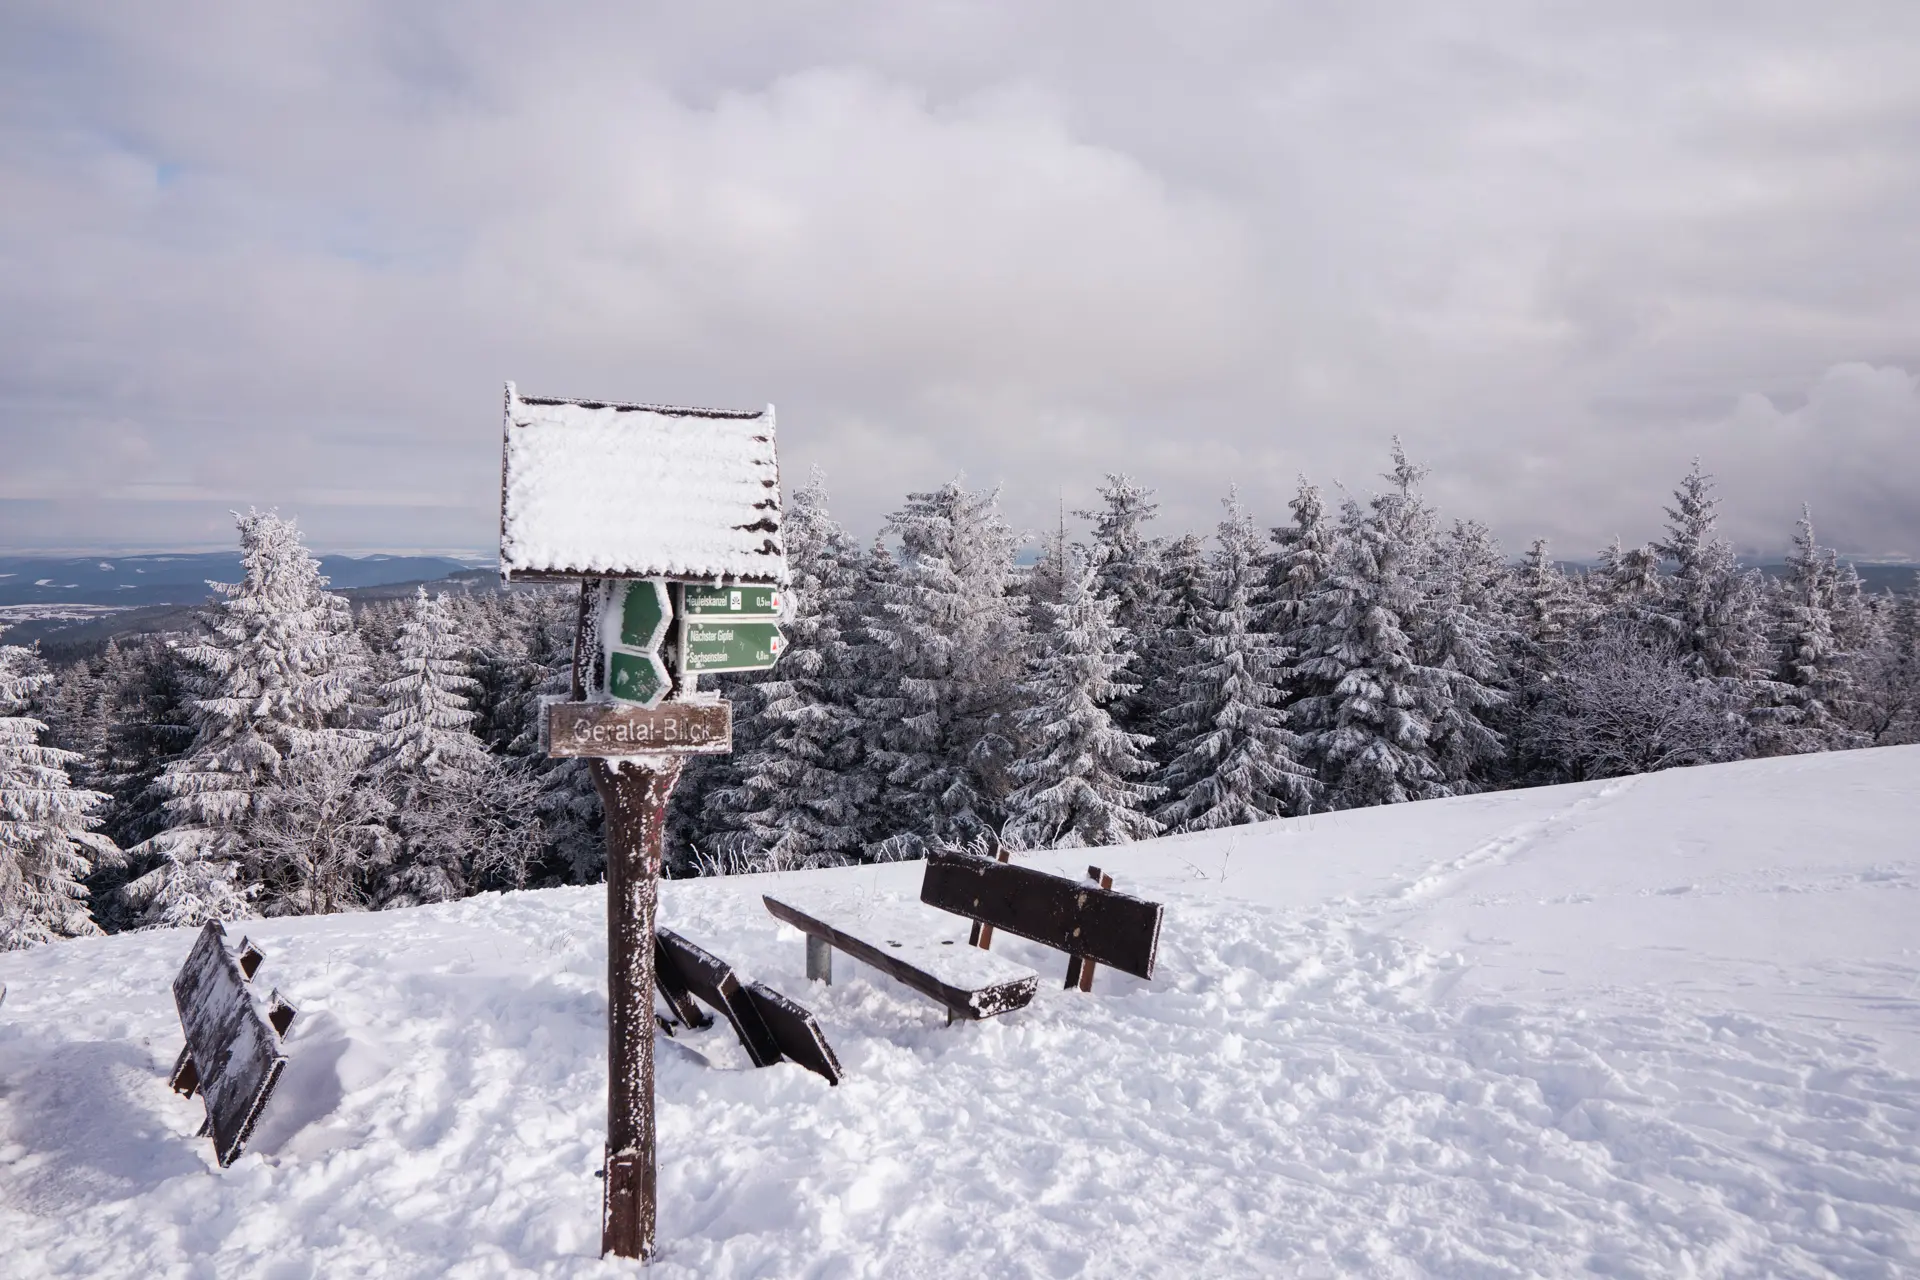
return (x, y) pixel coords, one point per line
(594, 489)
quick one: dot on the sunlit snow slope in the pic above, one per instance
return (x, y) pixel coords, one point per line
(1659, 1027)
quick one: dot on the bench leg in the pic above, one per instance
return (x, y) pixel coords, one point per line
(819, 960)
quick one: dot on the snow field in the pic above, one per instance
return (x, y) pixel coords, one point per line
(1472, 1037)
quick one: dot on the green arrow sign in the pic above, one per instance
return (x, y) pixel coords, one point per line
(644, 614)
(633, 624)
(729, 646)
(639, 678)
(731, 602)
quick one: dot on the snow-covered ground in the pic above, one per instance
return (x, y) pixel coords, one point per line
(1665, 1026)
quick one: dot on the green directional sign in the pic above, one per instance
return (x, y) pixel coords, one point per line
(632, 625)
(731, 602)
(644, 614)
(729, 646)
(639, 678)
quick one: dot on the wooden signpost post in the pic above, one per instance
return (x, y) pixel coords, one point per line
(665, 516)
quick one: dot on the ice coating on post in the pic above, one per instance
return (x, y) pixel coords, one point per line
(594, 488)
(635, 800)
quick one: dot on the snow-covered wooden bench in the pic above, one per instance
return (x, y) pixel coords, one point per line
(903, 940)
(1086, 919)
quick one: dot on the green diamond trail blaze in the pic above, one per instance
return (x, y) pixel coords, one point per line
(636, 677)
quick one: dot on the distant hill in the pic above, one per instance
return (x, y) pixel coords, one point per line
(182, 579)
(68, 630)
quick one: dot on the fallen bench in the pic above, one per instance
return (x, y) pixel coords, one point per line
(902, 940)
(770, 1026)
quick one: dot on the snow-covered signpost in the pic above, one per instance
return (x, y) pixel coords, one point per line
(662, 515)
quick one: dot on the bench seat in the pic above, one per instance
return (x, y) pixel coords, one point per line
(912, 943)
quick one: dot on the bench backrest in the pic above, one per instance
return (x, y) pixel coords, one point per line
(1074, 916)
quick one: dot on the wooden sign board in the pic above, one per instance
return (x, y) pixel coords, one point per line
(609, 731)
(233, 1056)
(1113, 928)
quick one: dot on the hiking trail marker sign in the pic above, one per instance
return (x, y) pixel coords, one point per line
(730, 628)
(633, 622)
(669, 519)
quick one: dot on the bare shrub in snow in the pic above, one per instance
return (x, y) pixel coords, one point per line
(1624, 703)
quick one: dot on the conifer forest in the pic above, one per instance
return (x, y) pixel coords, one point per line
(295, 754)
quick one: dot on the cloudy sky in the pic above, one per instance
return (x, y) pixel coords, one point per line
(276, 254)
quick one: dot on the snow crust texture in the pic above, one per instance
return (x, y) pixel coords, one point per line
(1662, 1027)
(637, 491)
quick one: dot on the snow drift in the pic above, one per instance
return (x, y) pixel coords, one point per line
(1659, 1026)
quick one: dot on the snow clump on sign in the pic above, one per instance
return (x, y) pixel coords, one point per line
(593, 488)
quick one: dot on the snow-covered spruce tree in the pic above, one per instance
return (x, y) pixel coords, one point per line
(1045, 584)
(1813, 678)
(1236, 763)
(1173, 647)
(868, 679)
(72, 702)
(1370, 719)
(1887, 706)
(1127, 569)
(1468, 631)
(801, 792)
(148, 725)
(1125, 561)
(573, 851)
(144, 726)
(428, 761)
(49, 844)
(1709, 606)
(510, 661)
(950, 638)
(1078, 770)
(269, 685)
(425, 725)
(1549, 609)
(1299, 561)
(1626, 583)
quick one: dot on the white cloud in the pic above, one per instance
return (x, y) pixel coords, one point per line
(287, 254)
